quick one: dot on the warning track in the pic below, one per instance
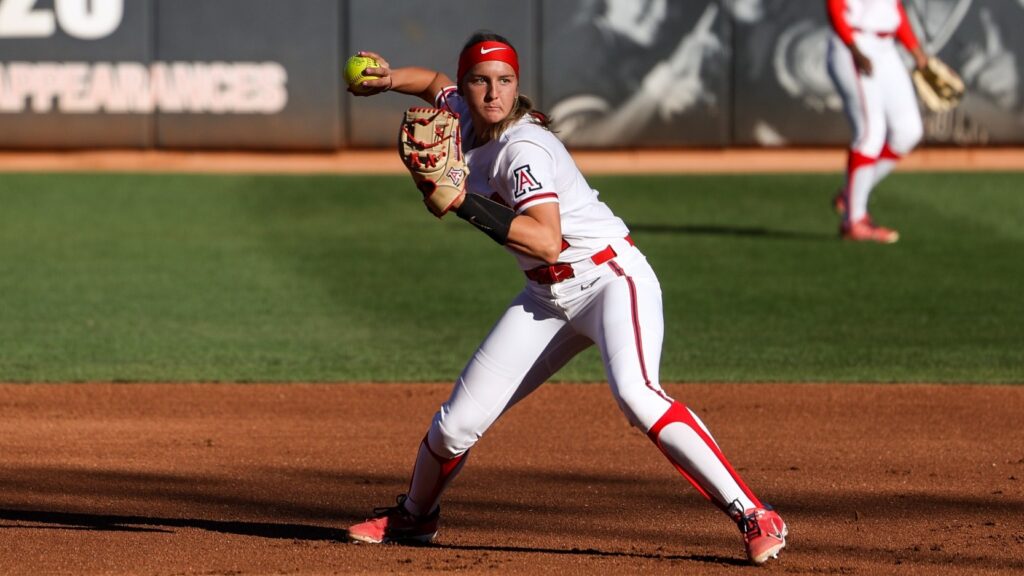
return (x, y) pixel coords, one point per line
(824, 160)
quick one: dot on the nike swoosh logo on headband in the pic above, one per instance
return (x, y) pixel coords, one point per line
(484, 51)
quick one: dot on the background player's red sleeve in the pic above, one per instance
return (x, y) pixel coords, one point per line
(836, 8)
(905, 33)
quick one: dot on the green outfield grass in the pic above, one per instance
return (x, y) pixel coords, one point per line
(330, 278)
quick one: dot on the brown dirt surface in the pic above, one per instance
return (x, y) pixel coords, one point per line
(263, 478)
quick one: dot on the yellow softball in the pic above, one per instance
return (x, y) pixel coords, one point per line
(354, 68)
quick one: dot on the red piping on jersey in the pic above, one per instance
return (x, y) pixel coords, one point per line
(441, 100)
(519, 206)
(678, 413)
(904, 33)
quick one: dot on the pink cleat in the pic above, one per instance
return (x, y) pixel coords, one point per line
(396, 525)
(864, 230)
(764, 533)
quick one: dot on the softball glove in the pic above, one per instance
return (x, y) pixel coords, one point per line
(430, 145)
(939, 87)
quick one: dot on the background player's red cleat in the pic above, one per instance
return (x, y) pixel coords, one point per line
(864, 230)
(764, 533)
(396, 525)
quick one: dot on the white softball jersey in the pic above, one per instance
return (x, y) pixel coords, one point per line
(527, 166)
(614, 302)
(877, 16)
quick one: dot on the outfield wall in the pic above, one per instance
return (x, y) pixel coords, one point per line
(263, 74)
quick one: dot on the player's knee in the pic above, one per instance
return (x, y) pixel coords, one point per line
(872, 149)
(868, 144)
(630, 413)
(448, 437)
(907, 138)
(641, 405)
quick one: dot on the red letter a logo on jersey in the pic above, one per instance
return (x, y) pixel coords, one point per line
(525, 182)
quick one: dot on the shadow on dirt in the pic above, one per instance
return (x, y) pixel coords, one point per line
(595, 553)
(305, 532)
(113, 523)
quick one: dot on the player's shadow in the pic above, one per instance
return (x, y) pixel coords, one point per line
(120, 523)
(275, 530)
(738, 231)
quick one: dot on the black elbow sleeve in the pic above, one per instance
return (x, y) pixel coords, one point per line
(488, 216)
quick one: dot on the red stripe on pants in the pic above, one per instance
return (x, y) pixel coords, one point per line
(637, 337)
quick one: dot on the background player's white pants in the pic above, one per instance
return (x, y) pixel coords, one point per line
(618, 307)
(882, 110)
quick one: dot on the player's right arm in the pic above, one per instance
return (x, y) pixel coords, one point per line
(412, 80)
(906, 36)
(843, 29)
(537, 232)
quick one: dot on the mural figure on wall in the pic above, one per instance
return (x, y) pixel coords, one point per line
(784, 95)
(628, 72)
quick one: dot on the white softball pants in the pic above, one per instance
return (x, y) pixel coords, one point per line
(617, 306)
(882, 110)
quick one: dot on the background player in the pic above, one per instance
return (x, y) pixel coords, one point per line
(879, 101)
(586, 284)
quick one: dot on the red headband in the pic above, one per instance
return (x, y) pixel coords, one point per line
(484, 52)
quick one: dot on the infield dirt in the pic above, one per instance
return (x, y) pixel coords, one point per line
(263, 479)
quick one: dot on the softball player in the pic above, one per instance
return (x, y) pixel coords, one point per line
(586, 283)
(879, 100)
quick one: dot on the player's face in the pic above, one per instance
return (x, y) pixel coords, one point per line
(491, 89)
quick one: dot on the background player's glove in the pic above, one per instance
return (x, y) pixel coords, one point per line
(939, 87)
(430, 145)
